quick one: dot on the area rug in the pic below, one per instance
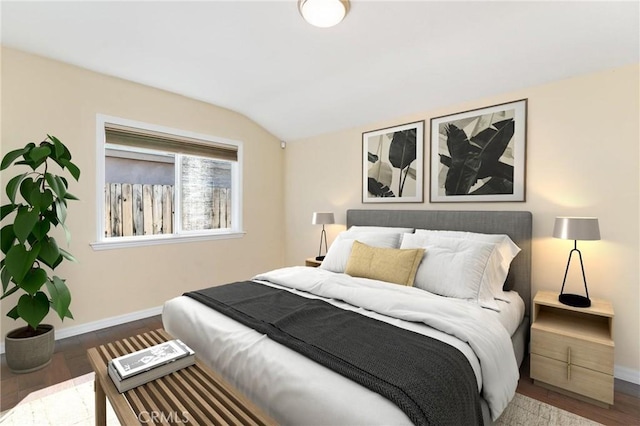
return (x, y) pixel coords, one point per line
(525, 411)
(71, 403)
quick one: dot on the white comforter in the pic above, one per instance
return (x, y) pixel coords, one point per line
(468, 322)
(278, 379)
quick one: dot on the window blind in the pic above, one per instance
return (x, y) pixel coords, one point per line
(128, 136)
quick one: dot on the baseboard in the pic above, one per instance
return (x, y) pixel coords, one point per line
(626, 374)
(100, 324)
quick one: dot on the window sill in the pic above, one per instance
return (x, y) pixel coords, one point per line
(126, 242)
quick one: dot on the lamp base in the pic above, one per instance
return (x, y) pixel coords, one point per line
(575, 300)
(319, 258)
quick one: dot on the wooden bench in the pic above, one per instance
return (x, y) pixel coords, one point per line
(193, 395)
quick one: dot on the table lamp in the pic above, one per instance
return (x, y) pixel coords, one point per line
(576, 228)
(322, 219)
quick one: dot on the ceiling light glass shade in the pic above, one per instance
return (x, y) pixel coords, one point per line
(323, 13)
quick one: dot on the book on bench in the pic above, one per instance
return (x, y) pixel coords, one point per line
(137, 368)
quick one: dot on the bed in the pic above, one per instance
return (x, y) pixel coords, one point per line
(298, 389)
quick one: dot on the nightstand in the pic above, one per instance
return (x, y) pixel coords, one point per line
(572, 348)
(311, 261)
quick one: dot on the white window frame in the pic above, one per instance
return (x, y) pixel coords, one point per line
(105, 243)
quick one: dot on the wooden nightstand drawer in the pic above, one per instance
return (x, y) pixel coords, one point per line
(572, 349)
(584, 381)
(579, 352)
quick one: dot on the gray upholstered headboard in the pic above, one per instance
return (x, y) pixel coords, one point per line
(516, 224)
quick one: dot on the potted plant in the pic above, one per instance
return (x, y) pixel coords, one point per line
(37, 204)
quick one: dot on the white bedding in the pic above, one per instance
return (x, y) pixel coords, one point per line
(511, 311)
(295, 390)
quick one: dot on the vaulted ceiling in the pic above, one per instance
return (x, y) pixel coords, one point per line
(386, 59)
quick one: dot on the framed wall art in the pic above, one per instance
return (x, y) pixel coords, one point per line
(393, 163)
(479, 155)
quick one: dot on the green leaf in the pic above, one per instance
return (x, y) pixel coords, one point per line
(60, 296)
(73, 169)
(67, 234)
(24, 222)
(59, 147)
(49, 252)
(7, 209)
(7, 238)
(41, 229)
(13, 185)
(34, 279)
(50, 216)
(39, 153)
(33, 309)
(26, 186)
(54, 184)
(13, 313)
(61, 211)
(70, 196)
(19, 261)
(64, 154)
(62, 183)
(11, 156)
(41, 200)
(6, 279)
(67, 255)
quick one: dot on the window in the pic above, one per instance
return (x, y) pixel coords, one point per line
(160, 185)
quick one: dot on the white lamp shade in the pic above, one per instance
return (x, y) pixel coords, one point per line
(322, 218)
(577, 228)
(323, 13)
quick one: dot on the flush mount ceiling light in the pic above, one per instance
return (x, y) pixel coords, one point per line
(323, 13)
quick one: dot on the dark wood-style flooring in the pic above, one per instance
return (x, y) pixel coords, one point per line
(70, 361)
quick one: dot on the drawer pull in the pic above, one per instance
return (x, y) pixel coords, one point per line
(569, 363)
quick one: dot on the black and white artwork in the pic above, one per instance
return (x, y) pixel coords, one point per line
(479, 155)
(392, 164)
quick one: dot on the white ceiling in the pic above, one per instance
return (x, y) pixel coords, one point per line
(385, 60)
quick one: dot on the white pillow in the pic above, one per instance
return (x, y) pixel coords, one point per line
(356, 228)
(454, 267)
(501, 259)
(339, 252)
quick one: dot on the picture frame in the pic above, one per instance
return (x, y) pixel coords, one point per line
(479, 155)
(393, 164)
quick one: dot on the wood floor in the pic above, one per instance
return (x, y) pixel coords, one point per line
(70, 360)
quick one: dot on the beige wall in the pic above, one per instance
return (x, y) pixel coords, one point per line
(582, 160)
(41, 96)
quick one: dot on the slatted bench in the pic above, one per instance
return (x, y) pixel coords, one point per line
(193, 395)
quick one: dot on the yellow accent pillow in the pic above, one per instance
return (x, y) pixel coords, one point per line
(397, 266)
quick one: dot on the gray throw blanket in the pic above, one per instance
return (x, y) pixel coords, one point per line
(432, 382)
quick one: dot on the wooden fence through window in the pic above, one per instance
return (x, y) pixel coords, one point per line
(136, 209)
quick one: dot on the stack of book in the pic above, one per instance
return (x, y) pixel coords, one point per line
(138, 368)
